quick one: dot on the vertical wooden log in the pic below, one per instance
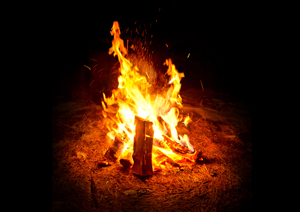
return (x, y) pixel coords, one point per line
(142, 148)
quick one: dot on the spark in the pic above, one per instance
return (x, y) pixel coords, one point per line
(187, 120)
(91, 83)
(100, 73)
(202, 85)
(87, 67)
(188, 55)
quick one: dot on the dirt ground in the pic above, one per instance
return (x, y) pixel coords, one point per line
(220, 130)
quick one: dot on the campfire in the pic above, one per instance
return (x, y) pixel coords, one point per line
(143, 119)
(158, 142)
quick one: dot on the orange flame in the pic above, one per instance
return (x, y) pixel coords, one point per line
(133, 98)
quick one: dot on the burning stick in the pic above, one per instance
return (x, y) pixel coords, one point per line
(114, 151)
(142, 147)
(174, 146)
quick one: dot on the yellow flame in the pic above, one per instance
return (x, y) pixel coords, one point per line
(187, 120)
(133, 98)
(170, 153)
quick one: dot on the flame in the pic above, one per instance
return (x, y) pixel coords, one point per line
(135, 96)
(187, 120)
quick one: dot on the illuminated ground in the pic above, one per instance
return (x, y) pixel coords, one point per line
(221, 131)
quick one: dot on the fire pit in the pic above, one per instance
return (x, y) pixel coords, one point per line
(151, 148)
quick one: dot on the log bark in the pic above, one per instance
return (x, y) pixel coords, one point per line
(142, 148)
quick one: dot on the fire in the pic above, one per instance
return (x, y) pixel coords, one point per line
(136, 96)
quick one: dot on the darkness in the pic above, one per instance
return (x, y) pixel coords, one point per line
(215, 37)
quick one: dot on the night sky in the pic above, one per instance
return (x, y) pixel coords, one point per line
(218, 34)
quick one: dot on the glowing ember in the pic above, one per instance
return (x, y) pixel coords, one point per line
(135, 96)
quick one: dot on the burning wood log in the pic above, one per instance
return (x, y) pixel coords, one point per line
(174, 145)
(142, 148)
(163, 159)
(113, 152)
(126, 160)
(180, 153)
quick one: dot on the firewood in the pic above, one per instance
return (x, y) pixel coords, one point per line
(142, 148)
(102, 164)
(186, 156)
(174, 145)
(113, 152)
(163, 159)
(126, 163)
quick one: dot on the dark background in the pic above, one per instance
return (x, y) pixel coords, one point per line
(217, 38)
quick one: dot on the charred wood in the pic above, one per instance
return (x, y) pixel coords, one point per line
(126, 163)
(102, 164)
